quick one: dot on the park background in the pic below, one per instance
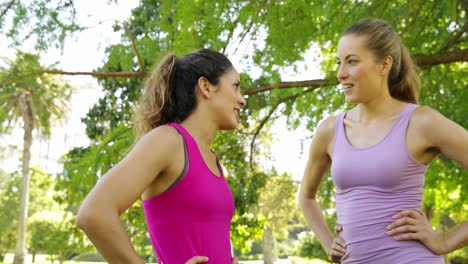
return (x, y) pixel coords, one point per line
(71, 72)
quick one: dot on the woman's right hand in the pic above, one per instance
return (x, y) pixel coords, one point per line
(200, 259)
(197, 259)
(338, 247)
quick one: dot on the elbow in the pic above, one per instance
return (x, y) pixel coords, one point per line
(85, 218)
(305, 200)
(82, 219)
(302, 200)
(92, 217)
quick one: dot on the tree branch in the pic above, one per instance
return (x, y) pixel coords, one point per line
(441, 58)
(247, 31)
(257, 132)
(461, 40)
(465, 5)
(285, 85)
(454, 40)
(421, 60)
(98, 74)
(232, 27)
(9, 5)
(267, 117)
(132, 38)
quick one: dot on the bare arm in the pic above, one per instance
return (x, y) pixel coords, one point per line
(440, 133)
(99, 215)
(318, 163)
(456, 238)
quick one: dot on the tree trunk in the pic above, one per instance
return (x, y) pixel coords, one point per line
(268, 247)
(21, 250)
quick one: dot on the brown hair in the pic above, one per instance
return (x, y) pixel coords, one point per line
(403, 80)
(169, 90)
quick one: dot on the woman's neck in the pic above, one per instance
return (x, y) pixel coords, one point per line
(201, 129)
(378, 109)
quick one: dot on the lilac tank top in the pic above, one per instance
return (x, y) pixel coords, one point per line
(372, 184)
(192, 217)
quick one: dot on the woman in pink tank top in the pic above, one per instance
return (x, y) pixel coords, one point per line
(378, 153)
(188, 204)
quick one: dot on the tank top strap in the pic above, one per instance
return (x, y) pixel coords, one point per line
(191, 144)
(405, 116)
(340, 137)
(194, 154)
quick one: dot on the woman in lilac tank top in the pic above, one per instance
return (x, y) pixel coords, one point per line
(187, 202)
(378, 153)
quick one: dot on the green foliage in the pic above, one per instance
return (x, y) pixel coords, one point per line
(3, 179)
(40, 199)
(9, 201)
(278, 203)
(45, 23)
(246, 228)
(84, 166)
(309, 247)
(50, 235)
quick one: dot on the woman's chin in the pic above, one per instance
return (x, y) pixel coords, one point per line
(351, 100)
(229, 126)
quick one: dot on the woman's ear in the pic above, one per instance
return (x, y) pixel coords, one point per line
(205, 87)
(387, 64)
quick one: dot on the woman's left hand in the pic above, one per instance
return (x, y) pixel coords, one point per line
(413, 225)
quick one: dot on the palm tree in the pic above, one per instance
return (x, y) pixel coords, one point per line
(36, 101)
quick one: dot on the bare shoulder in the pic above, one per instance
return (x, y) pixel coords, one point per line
(325, 131)
(326, 127)
(425, 115)
(156, 150)
(324, 135)
(162, 137)
(425, 118)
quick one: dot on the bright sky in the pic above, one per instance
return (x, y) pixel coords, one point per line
(85, 51)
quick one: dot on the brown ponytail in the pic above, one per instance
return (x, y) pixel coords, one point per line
(156, 94)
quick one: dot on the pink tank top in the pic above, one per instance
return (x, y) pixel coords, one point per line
(372, 184)
(192, 217)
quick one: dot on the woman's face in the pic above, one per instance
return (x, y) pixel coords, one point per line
(360, 74)
(228, 100)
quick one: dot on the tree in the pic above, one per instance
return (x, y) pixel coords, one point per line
(36, 101)
(277, 203)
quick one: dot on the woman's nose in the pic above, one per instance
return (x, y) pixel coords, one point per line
(342, 74)
(242, 101)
